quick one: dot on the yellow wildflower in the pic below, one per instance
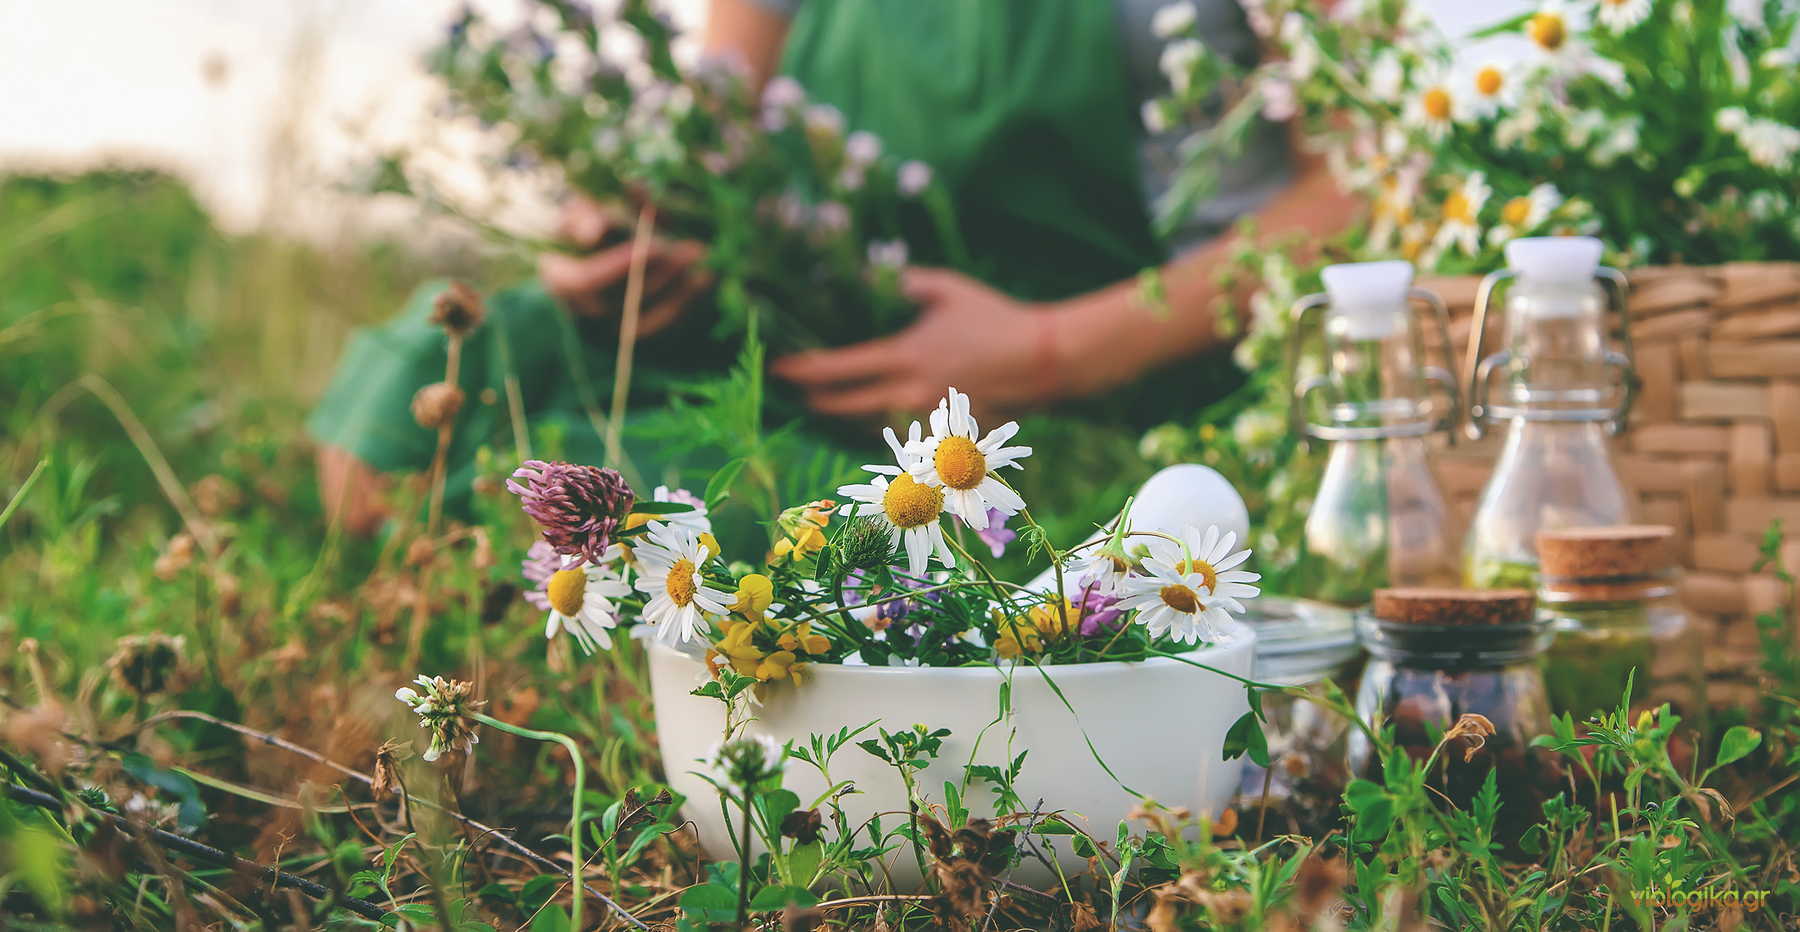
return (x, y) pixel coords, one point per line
(754, 594)
(803, 640)
(738, 648)
(805, 530)
(1016, 638)
(780, 665)
(1053, 623)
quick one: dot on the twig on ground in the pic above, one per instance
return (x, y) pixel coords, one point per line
(201, 852)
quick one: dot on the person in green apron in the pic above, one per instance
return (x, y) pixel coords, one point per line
(1028, 112)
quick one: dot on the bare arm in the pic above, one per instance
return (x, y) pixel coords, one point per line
(745, 32)
(1137, 337)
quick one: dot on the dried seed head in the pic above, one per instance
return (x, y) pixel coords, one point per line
(383, 779)
(458, 310)
(419, 552)
(435, 406)
(1473, 730)
(145, 663)
(216, 495)
(177, 555)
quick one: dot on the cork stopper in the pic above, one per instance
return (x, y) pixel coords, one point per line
(1604, 552)
(1429, 606)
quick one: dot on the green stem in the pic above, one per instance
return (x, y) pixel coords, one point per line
(743, 909)
(568, 743)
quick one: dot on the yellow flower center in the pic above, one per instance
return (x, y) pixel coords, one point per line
(566, 589)
(1548, 30)
(1181, 599)
(1489, 81)
(681, 582)
(911, 504)
(1209, 577)
(959, 463)
(1516, 211)
(1458, 207)
(1437, 103)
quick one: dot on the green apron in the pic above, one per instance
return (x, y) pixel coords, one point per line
(1021, 107)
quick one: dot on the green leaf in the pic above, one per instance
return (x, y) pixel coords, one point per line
(719, 486)
(769, 899)
(710, 902)
(661, 508)
(550, 919)
(1738, 742)
(180, 786)
(1246, 737)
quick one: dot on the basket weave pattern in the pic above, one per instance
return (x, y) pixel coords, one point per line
(1713, 446)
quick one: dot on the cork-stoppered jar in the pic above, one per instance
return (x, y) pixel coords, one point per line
(1438, 655)
(1610, 595)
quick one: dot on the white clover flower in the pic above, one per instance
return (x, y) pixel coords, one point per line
(953, 459)
(862, 148)
(443, 707)
(1731, 119)
(783, 93)
(887, 254)
(744, 762)
(913, 178)
(1178, 60)
(1156, 120)
(824, 120)
(1173, 20)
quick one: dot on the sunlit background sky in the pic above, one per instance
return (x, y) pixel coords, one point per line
(239, 96)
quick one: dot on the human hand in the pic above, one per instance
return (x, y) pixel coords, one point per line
(994, 347)
(594, 284)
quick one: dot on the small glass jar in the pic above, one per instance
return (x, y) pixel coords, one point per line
(1437, 655)
(1300, 642)
(1610, 596)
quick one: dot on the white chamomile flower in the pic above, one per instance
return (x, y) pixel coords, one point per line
(957, 459)
(1431, 104)
(1189, 590)
(1621, 139)
(1769, 144)
(1173, 20)
(582, 600)
(1621, 15)
(1524, 214)
(911, 508)
(695, 521)
(1486, 88)
(668, 570)
(1461, 223)
(1555, 27)
(1387, 77)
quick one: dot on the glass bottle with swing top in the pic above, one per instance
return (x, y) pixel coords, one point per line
(1562, 390)
(1379, 518)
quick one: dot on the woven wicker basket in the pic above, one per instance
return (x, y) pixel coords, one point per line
(1713, 447)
